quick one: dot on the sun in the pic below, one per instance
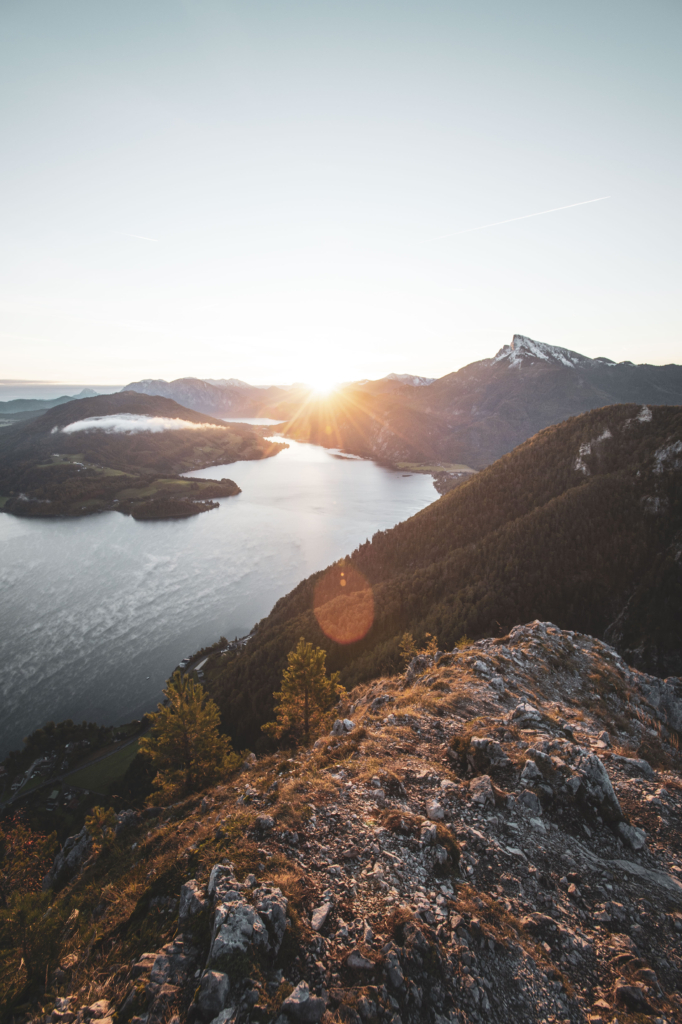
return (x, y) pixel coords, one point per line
(322, 384)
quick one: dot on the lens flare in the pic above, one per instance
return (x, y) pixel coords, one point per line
(344, 604)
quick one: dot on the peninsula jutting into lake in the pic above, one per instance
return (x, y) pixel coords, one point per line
(125, 453)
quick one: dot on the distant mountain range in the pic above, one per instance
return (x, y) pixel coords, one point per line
(581, 525)
(27, 408)
(469, 417)
(227, 398)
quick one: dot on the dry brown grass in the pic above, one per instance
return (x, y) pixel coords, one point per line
(398, 820)
(295, 796)
(396, 921)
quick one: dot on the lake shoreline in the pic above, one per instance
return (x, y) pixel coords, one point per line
(97, 610)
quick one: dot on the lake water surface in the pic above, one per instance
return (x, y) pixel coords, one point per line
(96, 612)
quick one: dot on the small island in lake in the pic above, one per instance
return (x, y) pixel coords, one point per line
(125, 453)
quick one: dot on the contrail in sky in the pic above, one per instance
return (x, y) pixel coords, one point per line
(145, 238)
(526, 216)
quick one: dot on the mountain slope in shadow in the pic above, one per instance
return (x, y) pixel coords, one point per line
(580, 525)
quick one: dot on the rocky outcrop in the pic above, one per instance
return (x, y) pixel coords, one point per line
(521, 863)
(70, 859)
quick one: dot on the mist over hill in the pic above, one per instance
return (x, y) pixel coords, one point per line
(580, 525)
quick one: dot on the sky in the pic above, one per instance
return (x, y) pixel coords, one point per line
(285, 191)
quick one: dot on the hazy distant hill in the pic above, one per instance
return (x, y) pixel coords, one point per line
(235, 397)
(580, 525)
(482, 411)
(40, 405)
(227, 398)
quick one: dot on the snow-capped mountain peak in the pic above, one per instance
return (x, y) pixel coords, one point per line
(233, 382)
(410, 378)
(523, 350)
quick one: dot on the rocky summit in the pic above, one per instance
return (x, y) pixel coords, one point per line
(493, 835)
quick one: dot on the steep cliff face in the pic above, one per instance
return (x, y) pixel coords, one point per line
(492, 835)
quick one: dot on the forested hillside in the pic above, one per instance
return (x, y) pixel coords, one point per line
(580, 525)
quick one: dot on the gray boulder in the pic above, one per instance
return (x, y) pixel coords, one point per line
(192, 901)
(319, 917)
(666, 696)
(634, 837)
(264, 822)
(358, 961)
(222, 880)
(303, 1006)
(418, 664)
(429, 834)
(239, 926)
(272, 908)
(481, 790)
(531, 774)
(489, 748)
(342, 726)
(225, 1016)
(597, 785)
(69, 860)
(525, 712)
(434, 811)
(394, 971)
(633, 765)
(98, 1010)
(531, 801)
(213, 992)
(236, 927)
(173, 963)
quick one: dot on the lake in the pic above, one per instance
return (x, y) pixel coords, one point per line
(95, 613)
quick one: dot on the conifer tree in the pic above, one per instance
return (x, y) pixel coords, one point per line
(101, 824)
(185, 745)
(307, 694)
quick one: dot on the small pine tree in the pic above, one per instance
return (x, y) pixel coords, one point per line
(430, 646)
(185, 745)
(307, 694)
(101, 824)
(407, 648)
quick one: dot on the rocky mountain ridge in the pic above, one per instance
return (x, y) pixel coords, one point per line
(479, 413)
(478, 838)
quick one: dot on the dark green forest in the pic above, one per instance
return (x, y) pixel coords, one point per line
(580, 525)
